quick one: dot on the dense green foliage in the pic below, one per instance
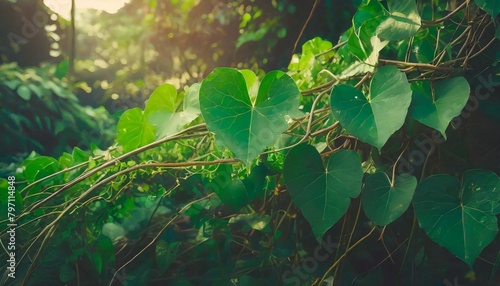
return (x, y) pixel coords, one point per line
(41, 113)
(261, 178)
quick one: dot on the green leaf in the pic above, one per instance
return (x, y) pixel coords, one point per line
(436, 108)
(252, 36)
(166, 254)
(364, 44)
(24, 92)
(256, 221)
(134, 130)
(62, 69)
(41, 167)
(246, 127)
(367, 11)
(491, 7)
(162, 109)
(460, 216)
(383, 202)
(234, 195)
(323, 195)
(375, 118)
(316, 46)
(403, 22)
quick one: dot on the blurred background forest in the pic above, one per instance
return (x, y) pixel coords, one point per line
(66, 79)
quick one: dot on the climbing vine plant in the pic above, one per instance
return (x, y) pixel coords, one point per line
(290, 177)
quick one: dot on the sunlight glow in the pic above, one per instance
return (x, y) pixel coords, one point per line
(63, 7)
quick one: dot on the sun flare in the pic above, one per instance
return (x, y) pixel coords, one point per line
(63, 7)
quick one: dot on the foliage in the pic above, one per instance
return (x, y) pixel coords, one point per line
(274, 174)
(40, 113)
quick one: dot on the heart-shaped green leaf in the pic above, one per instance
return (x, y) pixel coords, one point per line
(134, 130)
(459, 216)
(436, 108)
(375, 118)
(163, 105)
(383, 202)
(323, 195)
(244, 125)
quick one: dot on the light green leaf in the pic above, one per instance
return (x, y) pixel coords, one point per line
(256, 221)
(246, 127)
(316, 46)
(322, 194)
(252, 83)
(491, 7)
(383, 202)
(163, 98)
(403, 22)
(436, 108)
(460, 216)
(41, 167)
(364, 43)
(24, 92)
(375, 118)
(162, 109)
(134, 130)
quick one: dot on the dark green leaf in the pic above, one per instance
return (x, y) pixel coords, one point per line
(375, 118)
(383, 202)
(436, 108)
(322, 194)
(459, 215)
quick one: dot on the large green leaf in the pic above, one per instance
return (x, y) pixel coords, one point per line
(384, 202)
(436, 108)
(403, 22)
(322, 194)
(491, 7)
(459, 216)
(375, 118)
(245, 126)
(134, 130)
(162, 109)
